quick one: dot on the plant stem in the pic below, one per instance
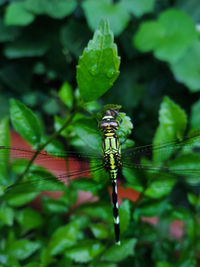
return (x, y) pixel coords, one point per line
(42, 146)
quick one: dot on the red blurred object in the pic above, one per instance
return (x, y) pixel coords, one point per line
(55, 165)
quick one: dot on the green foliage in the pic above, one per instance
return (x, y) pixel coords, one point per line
(195, 119)
(187, 67)
(173, 38)
(6, 215)
(66, 94)
(64, 237)
(42, 42)
(117, 254)
(139, 8)
(115, 13)
(4, 141)
(190, 7)
(172, 125)
(55, 9)
(22, 249)
(99, 231)
(85, 251)
(25, 122)
(29, 219)
(98, 66)
(171, 28)
(16, 14)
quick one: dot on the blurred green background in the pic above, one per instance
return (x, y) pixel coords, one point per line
(41, 42)
(158, 43)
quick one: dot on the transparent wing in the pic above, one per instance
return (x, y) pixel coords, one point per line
(156, 169)
(156, 150)
(54, 162)
(20, 152)
(40, 179)
(169, 162)
(60, 169)
(164, 150)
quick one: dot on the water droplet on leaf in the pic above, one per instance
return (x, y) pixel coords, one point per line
(93, 70)
(110, 73)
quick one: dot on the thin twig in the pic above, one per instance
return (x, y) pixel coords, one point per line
(42, 146)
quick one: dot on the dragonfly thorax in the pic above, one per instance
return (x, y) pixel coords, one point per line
(111, 144)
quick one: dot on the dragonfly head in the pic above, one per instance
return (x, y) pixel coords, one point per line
(108, 121)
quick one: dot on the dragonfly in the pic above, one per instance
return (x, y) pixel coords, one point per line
(150, 168)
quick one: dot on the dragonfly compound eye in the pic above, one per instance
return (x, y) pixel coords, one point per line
(108, 122)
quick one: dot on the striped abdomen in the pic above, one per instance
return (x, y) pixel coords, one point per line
(112, 163)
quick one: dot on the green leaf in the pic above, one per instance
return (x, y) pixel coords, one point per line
(81, 221)
(54, 147)
(163, 264)
(51, 106)
(115, 13)
(106, 265)
(85, 251)
(188, 162)
(26, 47)
(66, 94)
(119, 253)
(195, 118)
(11, 261)
(181, 214)
(191, 7)
(32, 264)
(22, 249)
(64, 237)
(46, 258)
(187, 260)
(18, 200)
(65, 262)
(6, 215)
(139, 7)
(29, 218)
(124, 215)
(187, 68)
(160, 188)
(186, 166)
(25, 122)
(5, 157)
(100, 211)
(16, 14)
(149, 35)
(99, 230)
(153, 208)
(88, 131)
(98, 67)
(40, 179)
(192, 199)
(54, 205)
(58, 123)
(86, 185)
(172, 125)
(8, 33)
(69, 40)
(169, 37)
(55, 9)
(125, 126)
